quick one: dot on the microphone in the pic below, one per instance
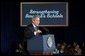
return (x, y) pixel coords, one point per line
(47, 31)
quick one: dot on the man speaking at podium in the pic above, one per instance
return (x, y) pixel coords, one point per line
(32, 29)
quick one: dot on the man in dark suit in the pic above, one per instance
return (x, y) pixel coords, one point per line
(32, 29)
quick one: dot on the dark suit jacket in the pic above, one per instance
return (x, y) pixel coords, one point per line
(29, 31)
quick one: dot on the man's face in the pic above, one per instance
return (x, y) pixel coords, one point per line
(36, 21)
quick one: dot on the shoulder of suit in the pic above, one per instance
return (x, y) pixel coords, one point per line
(30, 25)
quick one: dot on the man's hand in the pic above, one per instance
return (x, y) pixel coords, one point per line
(39, 31)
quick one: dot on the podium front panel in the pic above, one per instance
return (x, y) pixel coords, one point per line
(42, 44)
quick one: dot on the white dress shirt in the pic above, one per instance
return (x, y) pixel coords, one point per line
(34, 31)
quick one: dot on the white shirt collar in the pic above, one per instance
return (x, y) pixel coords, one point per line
(33, 25)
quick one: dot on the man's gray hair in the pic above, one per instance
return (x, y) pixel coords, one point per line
(34, 16)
